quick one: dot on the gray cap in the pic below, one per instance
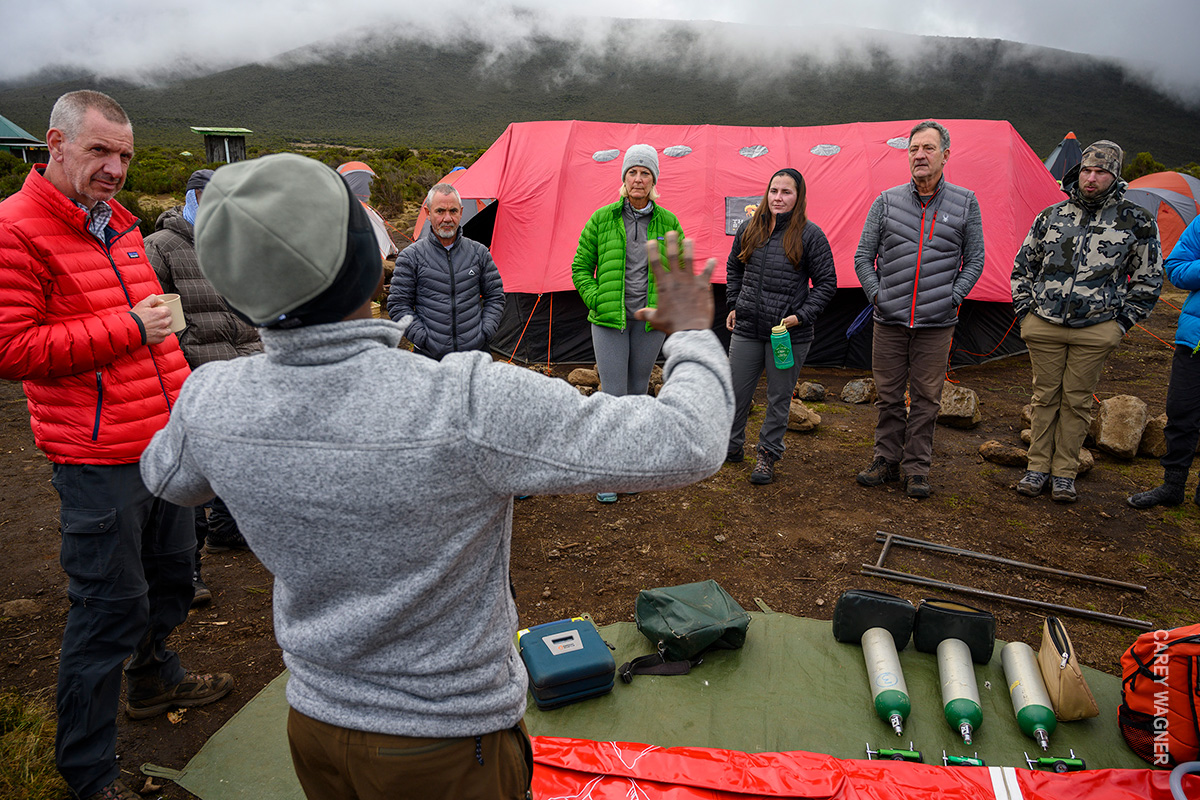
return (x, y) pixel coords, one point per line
(277, 232)
(641, 155)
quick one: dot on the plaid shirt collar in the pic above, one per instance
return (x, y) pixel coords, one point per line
(98, 218)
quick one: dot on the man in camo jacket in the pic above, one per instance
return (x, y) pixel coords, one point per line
(1090, 268)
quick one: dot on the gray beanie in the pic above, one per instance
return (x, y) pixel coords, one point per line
(285, 242)
(641, 155)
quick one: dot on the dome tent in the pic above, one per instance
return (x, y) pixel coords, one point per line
(548, 178)
(1173, 198)
(1066, 155)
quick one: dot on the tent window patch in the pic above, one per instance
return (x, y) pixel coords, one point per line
(826, 150)
(677, 151)
(753, 151)
(605, 155)
(898, 142)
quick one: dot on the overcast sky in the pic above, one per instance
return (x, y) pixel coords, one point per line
(133, 38)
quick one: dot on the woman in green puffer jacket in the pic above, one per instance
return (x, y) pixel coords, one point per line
(611, 273)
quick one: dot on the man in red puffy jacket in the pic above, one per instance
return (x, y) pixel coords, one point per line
(81, 324)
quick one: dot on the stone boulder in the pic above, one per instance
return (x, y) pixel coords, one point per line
(1118, 423)
(860, 390)
(1027, 435)
(656, 380)
(1027, 415)
(19, 608)
(1006, 454)
(1086, 461)
(1154, 443)
(960, 407)
(584, 377)
(811, 392)
(802, 418)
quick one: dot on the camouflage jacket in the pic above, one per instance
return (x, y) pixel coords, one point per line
(1081, 266)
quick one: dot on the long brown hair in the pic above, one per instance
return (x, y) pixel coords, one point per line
(762, 224)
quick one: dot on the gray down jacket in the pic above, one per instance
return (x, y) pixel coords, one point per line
(455, 296)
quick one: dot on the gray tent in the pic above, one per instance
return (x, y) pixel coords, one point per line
(1066, 155)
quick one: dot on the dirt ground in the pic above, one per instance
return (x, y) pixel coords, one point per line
(796, 544)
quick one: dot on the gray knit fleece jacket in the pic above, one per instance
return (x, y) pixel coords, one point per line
(376, 485)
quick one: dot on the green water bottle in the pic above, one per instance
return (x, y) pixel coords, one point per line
(781, 345)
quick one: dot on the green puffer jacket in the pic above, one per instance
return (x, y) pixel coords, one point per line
(599, 267)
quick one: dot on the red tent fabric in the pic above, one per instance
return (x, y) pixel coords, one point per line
(548, 178)
(579, 768)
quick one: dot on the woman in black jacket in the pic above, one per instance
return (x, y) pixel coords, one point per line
(776, 255)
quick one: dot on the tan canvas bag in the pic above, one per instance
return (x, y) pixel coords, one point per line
(1069, 692)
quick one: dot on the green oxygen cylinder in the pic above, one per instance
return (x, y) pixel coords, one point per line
(887, 678)
(960, 694)
(1031, 703)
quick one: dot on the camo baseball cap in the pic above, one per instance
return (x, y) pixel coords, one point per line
(1103, 155)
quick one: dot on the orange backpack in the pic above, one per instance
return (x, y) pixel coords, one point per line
(1160, 696)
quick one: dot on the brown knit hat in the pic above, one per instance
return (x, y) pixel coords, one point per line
(1103, 155)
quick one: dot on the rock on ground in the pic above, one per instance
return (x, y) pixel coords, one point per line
(1006, 454)
(802, 418)
(811, 392)
(860, 390)
(584, 377)
(1154, 443)
(1118, 423)
(960, 407)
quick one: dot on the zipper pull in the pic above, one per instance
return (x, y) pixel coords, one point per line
(1065, 658)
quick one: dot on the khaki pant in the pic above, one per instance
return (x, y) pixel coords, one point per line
(335, 763)
(1067, 363)
(912, 360)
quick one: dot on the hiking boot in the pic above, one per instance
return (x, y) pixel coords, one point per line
(1062, 490)
(115, 791)
(1171, 492)
(606, 497)
(220, 544)
(1033, 484)
(193, 690)
(917, 486)
(764, 467)
(201, 594)
(879, 473)
(735, 456)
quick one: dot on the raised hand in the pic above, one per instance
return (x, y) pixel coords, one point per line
(685, 299)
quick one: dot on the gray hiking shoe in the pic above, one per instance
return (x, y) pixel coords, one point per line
(1062, 490)
(917, 486)
(193, 690)
(764, 467)
(1033, 484)
(1171, 493)
(879, 473)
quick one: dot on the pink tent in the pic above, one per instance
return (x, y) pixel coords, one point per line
(548, 178)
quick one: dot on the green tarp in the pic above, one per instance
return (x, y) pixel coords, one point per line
(792, 687)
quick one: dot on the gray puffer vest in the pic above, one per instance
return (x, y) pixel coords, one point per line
(920, 253)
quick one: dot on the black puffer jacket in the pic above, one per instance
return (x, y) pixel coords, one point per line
(213, 332)
(455, 296)
(769, 288)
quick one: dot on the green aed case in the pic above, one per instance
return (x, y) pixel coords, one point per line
(567, 661)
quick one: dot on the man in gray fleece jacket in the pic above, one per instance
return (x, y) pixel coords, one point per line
(376, 485)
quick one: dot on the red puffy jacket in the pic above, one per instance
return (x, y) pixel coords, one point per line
(96, 393)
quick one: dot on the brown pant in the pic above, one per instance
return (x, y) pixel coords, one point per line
(1067, 363)
(335, 763)
(912, 359)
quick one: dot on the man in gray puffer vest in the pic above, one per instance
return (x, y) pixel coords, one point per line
(920, 253)
(1089, 270)
(377, 485)
(447, 283)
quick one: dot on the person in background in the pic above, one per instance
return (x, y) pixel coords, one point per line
(610, 273)
(448, 284)
(82, 325)
(213, 333)
(1089, 270)
(920, 253)
(776, 255)
(392, 606)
